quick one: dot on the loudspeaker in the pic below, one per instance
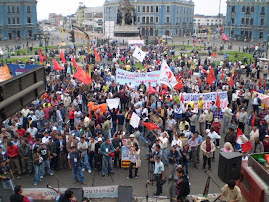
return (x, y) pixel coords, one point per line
(229, 166)
(125, 193)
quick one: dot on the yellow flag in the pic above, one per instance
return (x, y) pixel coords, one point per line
(233, 70)
(90, 72)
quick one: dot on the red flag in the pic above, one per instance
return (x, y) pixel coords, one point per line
(163, 92)
(224, 37)
(151, 90)
(243, 141)
(62, 57)
(218, 101)
(253, 120)
(57, 66)
(222, 75)
(214, 55)
(45, 58)
(182, 98)
(74, 62)
(97, 56)
(150, 126)
(82, 75)
(40, 56)
(231, 82)
(211, 77)
(179, 84)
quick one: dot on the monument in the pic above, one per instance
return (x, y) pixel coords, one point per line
(126, 28)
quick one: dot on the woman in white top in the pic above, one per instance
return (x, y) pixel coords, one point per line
(134, 155)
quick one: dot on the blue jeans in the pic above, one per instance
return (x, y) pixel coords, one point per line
(77, 172)
(43, 165)
(187, 164)
(37, 174)
(8, 184)
(142, 138)
(165, 156)
(85, 162)
(107, 160)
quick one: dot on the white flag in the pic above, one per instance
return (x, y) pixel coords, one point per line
(166, 76)
(135, 119)
(139, 54)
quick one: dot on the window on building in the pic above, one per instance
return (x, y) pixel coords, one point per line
(247, 21)
(147, 20)
(29, 20)
(9, 21)
(151, 19)
(251, 21)
(157, 20)
(242, 21)
(261, 34)
(168, 9)
(13, 9)
(143, 10)
(143, 19)
(233, 9)
(138, 9)
(252, 9)
(242, 32)
(18, 9)
(28, 9)
(147, 9)
(157, 9)
(248, 9)
(232, 21)
(13, 21)
(152, 9)
(18, 21)
(262, 21)
(243, 9)
(167, 20)
(138, 19)
(263, 10)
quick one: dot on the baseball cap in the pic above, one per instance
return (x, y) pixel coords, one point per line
(99, 139)
(132, 135)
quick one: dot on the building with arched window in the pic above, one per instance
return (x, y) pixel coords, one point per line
(156, 17)
(18, 19)
(248, 19)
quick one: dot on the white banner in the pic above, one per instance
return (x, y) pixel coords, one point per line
(101, 192)
(113, 103)
(208, 98)
(139, 54)
(136, 42)
(166, 76)
(135, 119)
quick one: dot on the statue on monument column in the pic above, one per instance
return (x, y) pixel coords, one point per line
(128, 18)
(119, 18)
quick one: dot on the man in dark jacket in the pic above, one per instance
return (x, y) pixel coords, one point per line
(230, 137)
(17, 197)
(174, 159)
(183, 186)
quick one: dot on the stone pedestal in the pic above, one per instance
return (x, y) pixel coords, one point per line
(123, 33)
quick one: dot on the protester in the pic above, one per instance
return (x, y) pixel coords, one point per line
(231, 192)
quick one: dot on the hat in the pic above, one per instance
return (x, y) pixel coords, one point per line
(216, 120)
(54, 128)
(266, 136)
(132, 135)
(158, 157)
(207, 130)
(99, 139)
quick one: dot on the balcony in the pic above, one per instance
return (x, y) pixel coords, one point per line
(262, 13)
(247, 13)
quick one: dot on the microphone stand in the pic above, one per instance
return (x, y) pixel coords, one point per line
(58, 180)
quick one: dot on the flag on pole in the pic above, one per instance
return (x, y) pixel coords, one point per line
(150, 126)
(166, 76)
(74, 62)
(139, 54)
(206, 189)
(224, 37)
(41, 56)
(218, 101)
(82, 75)
(182, 98)
(243, 141)
(151, 90)
(90, 72)
(211, 77)
(214, 55)
(231, 82)
(97, 56)
(57, 66)
(62, 57)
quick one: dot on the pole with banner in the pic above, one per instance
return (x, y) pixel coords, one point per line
(90, 72)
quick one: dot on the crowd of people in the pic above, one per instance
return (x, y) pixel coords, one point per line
(60, 130)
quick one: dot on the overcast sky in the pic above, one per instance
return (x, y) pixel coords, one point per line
(66, 7)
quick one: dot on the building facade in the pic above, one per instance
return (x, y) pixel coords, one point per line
(18, 19)
(156, 18)
(247, 19)
(94, 19)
